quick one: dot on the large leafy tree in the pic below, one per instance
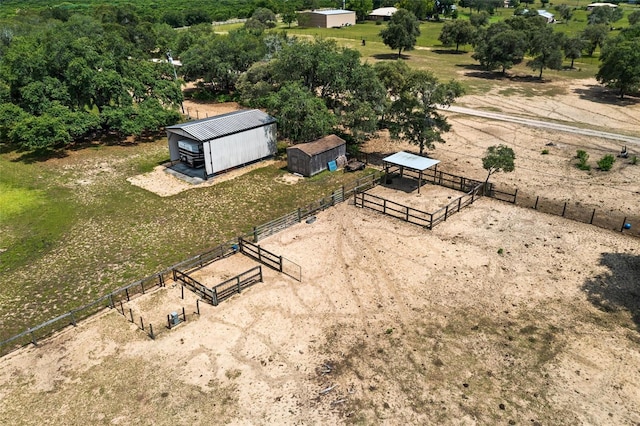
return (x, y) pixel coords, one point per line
(402, 31)
(546, 49)
(219, 60)
(361, 7)
(456, 32)
(565, 12)
(604, 15)
(594, 36)
(63, 75)
(336, 75)
(620, 62)
(302, 116)
(573, 47)
(414, 114)
(500, 46)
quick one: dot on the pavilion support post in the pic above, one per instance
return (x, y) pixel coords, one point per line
(419, 180)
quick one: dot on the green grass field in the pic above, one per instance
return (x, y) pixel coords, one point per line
(73, 228)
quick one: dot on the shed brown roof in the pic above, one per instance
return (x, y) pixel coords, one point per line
(321, 145)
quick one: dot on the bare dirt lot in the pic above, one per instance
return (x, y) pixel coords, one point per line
(501, 315)
(390, 324)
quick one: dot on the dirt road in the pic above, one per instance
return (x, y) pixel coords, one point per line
(543, 124)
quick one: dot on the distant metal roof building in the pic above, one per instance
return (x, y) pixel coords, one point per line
(410, 161)
(384, 11)
(332, 12)
(219, 126)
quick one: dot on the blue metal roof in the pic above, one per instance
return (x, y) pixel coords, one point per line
(410, 161)
(216, 127)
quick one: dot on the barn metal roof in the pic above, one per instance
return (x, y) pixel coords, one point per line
(318, 146)
(222, 125)
(410, 161)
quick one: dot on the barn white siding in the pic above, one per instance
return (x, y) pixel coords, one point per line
(240, 148)
(228, 140)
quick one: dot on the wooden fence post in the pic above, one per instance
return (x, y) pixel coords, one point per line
(73, 320)
(131, 314)
(184, 315)
(281, 266)
(564, 209)
(255, 234)
(111, 305)
(515, 196)
(459, 203)
(384, 206)
(239, 289)
(182, 292)
(623, 223)
(446, 212)
(126, 290)
(169, 321)
(198, 306)
(535, 207)
(153, 337)
(592, 216)
(141, 323)
(33, 338)
(142, 286)
(407, 214)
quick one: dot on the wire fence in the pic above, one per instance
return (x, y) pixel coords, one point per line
(594, 215)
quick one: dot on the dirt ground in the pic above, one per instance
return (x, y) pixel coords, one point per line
(501, 315)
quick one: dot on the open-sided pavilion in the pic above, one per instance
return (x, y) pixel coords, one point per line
(406, 160)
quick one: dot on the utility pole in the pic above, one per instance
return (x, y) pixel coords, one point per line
(175, 75)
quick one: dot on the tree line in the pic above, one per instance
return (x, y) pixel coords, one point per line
(502, 45)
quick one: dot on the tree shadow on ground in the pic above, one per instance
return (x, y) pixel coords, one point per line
(619, 287)
(497, 75)
(449, 52)
(43, 155)
(603, 95)
(389, 56)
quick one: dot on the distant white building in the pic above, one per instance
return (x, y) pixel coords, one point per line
(382, 14)
(594, 5)
(546, 15)
(332, 18)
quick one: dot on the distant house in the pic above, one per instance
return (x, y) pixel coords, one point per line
(382, 14)
(333, 18)
(311, 158)
(546, 15)
(223, 142)
(594, 5)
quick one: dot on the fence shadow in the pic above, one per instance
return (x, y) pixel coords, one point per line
(619, 287)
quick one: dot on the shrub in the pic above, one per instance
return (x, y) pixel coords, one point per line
(545, 152)
(634, 159)
(583, 157)
(606, 162)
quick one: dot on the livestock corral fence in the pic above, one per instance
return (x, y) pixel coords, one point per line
(473, 190)
(597, 216)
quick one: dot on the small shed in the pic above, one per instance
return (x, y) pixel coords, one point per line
(409, 161)
(333, 18)
(224, 141)
(311, 158)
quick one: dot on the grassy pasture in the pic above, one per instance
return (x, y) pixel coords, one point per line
(73, 228)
